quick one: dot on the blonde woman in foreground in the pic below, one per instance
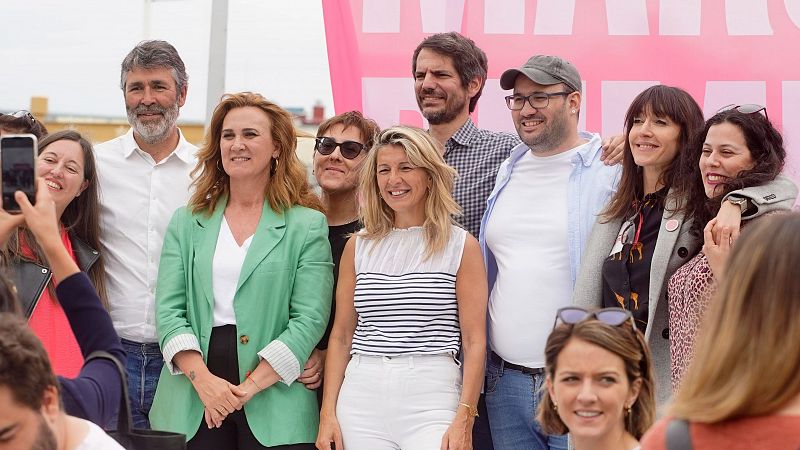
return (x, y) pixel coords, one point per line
(742, 389)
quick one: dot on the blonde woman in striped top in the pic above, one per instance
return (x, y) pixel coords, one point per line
(411, 295)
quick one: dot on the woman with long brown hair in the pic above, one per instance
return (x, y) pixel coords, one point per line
(243, 289)
(66, 163)
(742, 389)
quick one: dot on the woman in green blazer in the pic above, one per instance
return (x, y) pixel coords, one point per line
(244, 289)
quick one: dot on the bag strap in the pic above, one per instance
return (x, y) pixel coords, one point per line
(124, 421)
(678, 437)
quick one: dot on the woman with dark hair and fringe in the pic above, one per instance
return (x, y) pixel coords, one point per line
(738, 148)
(66, 164)
(599, 380)
(644, 234)
(244, 288)
(742, 389)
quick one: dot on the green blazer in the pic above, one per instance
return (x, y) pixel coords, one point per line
(284, 293)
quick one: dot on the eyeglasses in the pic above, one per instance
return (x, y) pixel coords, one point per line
(572, 315)
(23, 114)
(538, 100)
(348, 149)
(747, 108)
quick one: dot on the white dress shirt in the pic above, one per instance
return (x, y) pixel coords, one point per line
(137, 199)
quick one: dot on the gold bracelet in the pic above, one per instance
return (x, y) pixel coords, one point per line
(473, 411)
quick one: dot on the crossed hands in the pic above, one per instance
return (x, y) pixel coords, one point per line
(221, 398)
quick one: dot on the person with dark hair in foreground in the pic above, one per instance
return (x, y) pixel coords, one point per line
(31, 412)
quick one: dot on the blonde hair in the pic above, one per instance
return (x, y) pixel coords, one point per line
(288, 183)
(423, 152)
(747, 360)
(623, 341)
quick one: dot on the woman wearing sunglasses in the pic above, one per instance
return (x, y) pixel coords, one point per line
(21, 122)
(643, 235)
(738, 148)
(743, 390)
(341, 146)
(599, 380)
(411, 295)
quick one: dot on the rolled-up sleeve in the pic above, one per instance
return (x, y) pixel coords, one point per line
(179, 343)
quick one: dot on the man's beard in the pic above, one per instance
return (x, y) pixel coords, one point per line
(551, 137)
(445, 115)
(46, 439)
(153, 131)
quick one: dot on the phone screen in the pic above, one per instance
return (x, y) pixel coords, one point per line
(18, 155)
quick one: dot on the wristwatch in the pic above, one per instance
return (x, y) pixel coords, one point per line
(741, 202)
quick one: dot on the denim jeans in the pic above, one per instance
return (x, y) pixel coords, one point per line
(512, 398)
(144, 367)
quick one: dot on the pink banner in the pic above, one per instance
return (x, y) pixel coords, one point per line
(722, 52)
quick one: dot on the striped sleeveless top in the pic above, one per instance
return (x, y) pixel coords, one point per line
(406, 304)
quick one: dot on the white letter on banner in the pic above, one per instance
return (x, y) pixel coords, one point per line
(724, 93)
(627, 18)
(791, 127)
(679, 18)
(384, 98)
(793, 10)
(504, 17)
(439, 16)
(554, 17)
(616, 98)
(380, 16)
(747, 18)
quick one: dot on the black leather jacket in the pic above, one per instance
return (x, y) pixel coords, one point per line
(31, 278)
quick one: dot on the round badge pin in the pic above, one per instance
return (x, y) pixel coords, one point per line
(672, 225)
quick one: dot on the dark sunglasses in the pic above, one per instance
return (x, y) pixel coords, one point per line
(348, 149)
(748, 108)
(572, 315)
(23, 114)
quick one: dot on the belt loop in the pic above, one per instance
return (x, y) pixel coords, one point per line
(356, 359)
(411, 361)
(457, 361)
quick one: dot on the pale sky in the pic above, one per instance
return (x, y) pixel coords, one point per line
(70, 51)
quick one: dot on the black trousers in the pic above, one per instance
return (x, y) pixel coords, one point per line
(234, 434)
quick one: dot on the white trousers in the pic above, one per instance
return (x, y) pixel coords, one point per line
(401, 402)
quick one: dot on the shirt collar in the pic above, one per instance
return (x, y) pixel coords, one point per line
(182, 151)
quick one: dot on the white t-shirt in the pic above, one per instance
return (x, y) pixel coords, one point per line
(527, 234)
(225, 271)
(97, 439)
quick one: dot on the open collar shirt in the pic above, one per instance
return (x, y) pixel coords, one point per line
(476, 154)
(591, 185)
(137, 199)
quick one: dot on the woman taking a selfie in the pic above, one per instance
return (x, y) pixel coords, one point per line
(66, 163)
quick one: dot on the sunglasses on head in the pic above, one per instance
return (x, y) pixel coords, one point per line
(348, 149)
(614, 317)
(23, 114)
(747, 108)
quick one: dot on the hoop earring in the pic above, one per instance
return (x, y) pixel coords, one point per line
(219, 167)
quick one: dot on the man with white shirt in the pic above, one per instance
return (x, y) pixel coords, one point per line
(31, 414)
(538, 218)
(144, 177)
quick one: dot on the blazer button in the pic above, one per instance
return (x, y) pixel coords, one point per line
(244, 339)
(682, 252)
(665, 333)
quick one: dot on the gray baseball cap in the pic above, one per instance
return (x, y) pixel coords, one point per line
(544, 70)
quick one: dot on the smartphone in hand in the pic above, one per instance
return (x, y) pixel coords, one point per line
(18, 154)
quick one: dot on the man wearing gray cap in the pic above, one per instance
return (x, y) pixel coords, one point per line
(538, 218)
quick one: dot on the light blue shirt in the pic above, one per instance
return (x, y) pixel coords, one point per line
(591, 185)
